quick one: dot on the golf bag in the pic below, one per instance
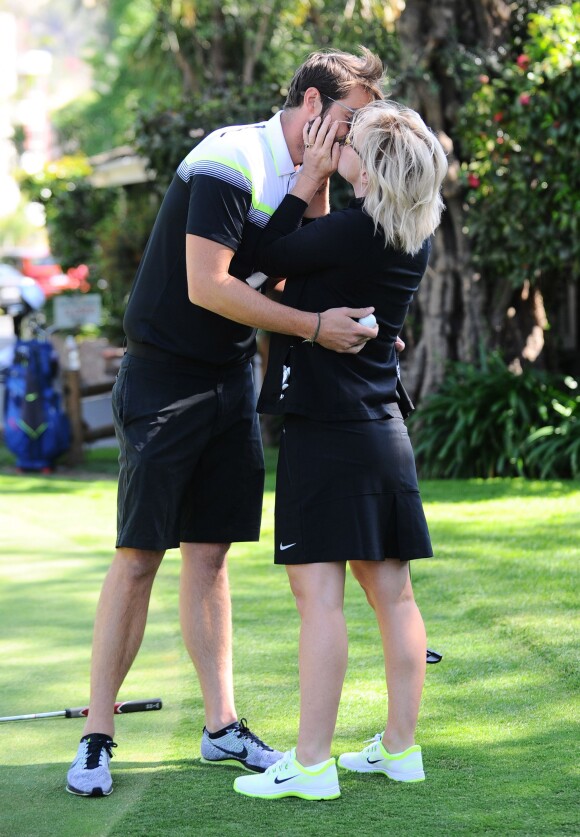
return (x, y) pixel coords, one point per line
(36, 430)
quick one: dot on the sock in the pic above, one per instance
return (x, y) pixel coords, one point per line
(220, 732)
(96, 736)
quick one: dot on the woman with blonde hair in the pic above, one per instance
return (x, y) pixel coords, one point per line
(346, 484)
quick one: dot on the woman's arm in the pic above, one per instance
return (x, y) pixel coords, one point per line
(285, 246)
(320, 203)
(287, 249)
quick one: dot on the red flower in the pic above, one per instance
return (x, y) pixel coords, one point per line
(523, 61)
(473, 180)
(524, 98)
(484, 79)
(497, 117)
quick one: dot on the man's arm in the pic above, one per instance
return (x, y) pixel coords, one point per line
(211, 286)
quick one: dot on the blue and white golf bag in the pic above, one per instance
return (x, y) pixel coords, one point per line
(36, 429)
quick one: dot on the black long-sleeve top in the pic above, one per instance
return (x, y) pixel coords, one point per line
(336, 261)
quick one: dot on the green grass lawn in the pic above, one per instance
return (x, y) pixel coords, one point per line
(499, 713)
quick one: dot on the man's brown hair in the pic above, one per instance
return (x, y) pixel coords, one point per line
(334, 74)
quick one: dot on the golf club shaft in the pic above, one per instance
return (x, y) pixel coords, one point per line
(121, 708)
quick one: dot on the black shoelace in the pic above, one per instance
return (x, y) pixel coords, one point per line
(243, 731)
(94, 751)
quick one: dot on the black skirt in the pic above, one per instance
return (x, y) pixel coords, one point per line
(347, 490)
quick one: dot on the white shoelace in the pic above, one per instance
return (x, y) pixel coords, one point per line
(281, 764)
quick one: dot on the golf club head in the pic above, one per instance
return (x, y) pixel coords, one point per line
(433, 656)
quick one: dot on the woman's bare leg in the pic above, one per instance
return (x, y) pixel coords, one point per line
(319, 593)
(387, 585)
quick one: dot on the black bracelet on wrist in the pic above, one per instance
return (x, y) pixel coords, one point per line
(312, 340)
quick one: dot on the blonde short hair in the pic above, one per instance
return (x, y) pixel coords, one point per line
(406, 165)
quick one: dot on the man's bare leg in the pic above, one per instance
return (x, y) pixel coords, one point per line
(206, 625)
(118, 632)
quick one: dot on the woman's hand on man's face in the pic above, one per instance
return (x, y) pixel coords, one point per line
(321, 152)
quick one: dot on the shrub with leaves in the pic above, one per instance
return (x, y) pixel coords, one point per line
(165, 136)
(122, 236)
(553, 451)
(94, 227)
(73, 208)
(520, 132)
(478, 422)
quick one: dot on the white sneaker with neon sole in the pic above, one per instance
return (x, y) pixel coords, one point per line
(402, 767)
(290, 778)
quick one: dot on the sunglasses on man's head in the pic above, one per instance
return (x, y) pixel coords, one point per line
(341, 140)
(346, 140)
(337, 102)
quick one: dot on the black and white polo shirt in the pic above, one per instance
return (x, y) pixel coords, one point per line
(226, 189)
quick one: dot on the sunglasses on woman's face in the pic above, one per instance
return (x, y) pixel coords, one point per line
(347, 141)
(342, 141)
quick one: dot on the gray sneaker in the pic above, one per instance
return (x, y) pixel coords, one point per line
(89, 773)
(238, 746)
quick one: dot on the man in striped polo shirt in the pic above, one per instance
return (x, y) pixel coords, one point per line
(191, 464)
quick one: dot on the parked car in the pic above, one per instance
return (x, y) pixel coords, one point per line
(44, 269)
(19, 295)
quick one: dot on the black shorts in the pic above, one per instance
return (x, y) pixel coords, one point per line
(347, 490)
(191, 460)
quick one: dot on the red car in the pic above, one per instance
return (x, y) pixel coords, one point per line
(43, 268)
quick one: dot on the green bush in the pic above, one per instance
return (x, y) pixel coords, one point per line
(479, 421)
(553, 451)
(165, 136)
(73, 208)
(519, 132)
(121, 238)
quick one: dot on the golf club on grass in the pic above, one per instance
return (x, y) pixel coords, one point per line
(121, 708)
(432, 657)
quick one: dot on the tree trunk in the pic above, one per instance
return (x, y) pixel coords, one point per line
(254, 44)
(189, 79)
(447, 320)
(217, 58)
